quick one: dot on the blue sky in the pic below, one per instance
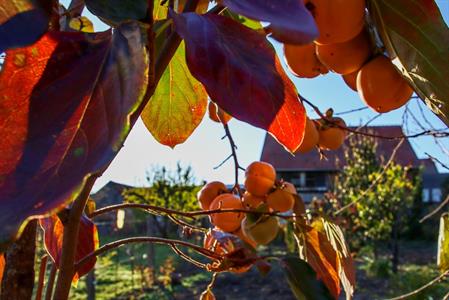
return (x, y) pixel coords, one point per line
(205, 149)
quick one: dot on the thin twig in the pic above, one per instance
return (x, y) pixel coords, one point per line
(237, 166)
(351, 111)
(378, 178)
(40, 281)
(51, 282)
(191, 214)
(434, 133)
(433, 212)
(438, 161)
(417, 291)
(223, 162)
(205, 252)
(187, 258)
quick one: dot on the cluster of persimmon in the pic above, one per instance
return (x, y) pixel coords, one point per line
(251, 221)
(345, 46)
(326, 134)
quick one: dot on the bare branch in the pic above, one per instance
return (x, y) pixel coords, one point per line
(417, 291)
(434, 133)
(237, 166)
(374, 183)
(432, 213)
(172, 243)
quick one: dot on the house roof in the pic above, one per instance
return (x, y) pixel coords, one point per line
(276, 155)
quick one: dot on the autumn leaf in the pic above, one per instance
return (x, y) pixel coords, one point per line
(347, 268)
(443, 244)
(2, 266)
(178, 104)
(15, 19)
(67, 104)
(303, 280)
(242, 74)
(290, 21)
(417, 40)
(87, 242)
(318, 252)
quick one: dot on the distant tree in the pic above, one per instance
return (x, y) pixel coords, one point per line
(380, 212)
(169, 189)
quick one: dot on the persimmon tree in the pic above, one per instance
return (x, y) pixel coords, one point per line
(69, 99)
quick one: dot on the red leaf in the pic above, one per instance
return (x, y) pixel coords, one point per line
(2, 266)
(242, 74)
(323, 258)
(290, 20)
(65, 109)
(87, 241)
(15, 19)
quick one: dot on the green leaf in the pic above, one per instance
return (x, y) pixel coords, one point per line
(113, 12)
(417, 40)
(443, 244)
(253, 24)
(178, 104)
(303, 280)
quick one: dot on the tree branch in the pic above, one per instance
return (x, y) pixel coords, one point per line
(172, 243)
(417, 291)
(374, 183)
(434, 133)
(70, 241)
(237, 166)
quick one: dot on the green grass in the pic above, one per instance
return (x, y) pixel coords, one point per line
(412, 277)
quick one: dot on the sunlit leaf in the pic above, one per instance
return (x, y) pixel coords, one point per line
(290, 20)
(178, 104)
(87, 242)
(417, 39)
(242, 74)
(82, 24)
(15, 19)
(207, 295)
(66, 106)
(322, 257)
(2, 266)
(443, 244)
(347, 267)
(303, 280)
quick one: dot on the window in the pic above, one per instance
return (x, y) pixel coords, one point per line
(425, 195)
(317, 179)
(436, 195)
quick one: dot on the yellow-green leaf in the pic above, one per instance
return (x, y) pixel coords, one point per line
(178, 104)
(417, 40)
(443, 244)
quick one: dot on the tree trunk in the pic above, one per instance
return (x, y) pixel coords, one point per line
(90, 285)
(18, 277)
(395, 248)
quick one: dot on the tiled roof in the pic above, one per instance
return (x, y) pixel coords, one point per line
(275, 154)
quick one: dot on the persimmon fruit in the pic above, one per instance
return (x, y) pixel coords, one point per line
(209, 192)
(245, 238)
(263, 231)
(332, 137)
(302, 61)
(351, 80)
(217, 114)
(259, 178)
(251, 201)
(346, 57)
(281, 200)
(311, 137)
(228, 221)
(337, 20)
(381, 86)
